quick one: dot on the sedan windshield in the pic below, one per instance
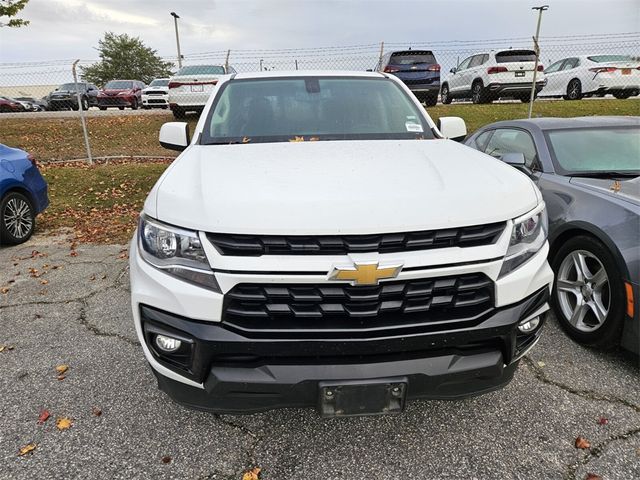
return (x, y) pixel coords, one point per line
(594, 151)
(119, 85)
(201, 70)
(313, 108)
(70, 87)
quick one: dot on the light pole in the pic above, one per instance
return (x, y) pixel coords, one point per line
(537, 50)
(175, 22)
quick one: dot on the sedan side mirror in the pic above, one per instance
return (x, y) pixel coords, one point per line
(452, 128)
(175, 135)
(515, 159)
(453, 70)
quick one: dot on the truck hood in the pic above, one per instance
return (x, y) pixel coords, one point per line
(338, 187)
(627, 190)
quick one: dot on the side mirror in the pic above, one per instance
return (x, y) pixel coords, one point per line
(175, 135)
(452, 128)
(515, 159)
(453, 70)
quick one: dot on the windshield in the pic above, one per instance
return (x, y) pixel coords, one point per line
(202, 70)
(160, 82)
(510, 56)
(610, 58)
(69, 87)
(312, 108)
(412, 58)
(119, 85)
(593, 150)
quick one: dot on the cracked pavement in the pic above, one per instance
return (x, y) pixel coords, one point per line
(78, 314)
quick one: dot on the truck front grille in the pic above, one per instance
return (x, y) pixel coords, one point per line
(359, 311)
(256, 245)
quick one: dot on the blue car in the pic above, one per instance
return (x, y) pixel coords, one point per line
(588, 171)
(419, 71)
(23, 195)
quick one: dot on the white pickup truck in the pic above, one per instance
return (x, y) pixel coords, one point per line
(321, 242)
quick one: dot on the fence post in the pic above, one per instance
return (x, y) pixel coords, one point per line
(226, 61)
(536, 48)
(381, 52)
(81, 110)
(296, 64)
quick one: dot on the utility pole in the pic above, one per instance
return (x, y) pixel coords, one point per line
(81, 110)
(381, 53)
(260, 64)
(536, 48)
(226, 62)
(175, 22)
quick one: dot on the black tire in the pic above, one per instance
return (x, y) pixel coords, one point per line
(479, 93)
(574, 90)
(134, 104)
(4, 109)
(121, 108)
(102, 108)
(11, 232)
(622, 95)
(431, 100)
(75, 107)
(85, 104)
(178, 113)
(607, 334)
(445, 95)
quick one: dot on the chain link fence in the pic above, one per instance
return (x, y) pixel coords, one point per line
(599, 61)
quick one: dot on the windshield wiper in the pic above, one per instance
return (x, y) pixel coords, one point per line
(606, 174)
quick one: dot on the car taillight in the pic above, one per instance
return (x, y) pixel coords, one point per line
(540, 68)
(603, 69)
(389, 69)
(33, 160)
(492, 70)
(433, 68)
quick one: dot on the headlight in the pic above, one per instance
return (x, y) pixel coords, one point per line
(176, 252)
(123, 93)
(527, 238)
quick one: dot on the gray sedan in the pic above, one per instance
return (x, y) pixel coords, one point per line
(588, 170)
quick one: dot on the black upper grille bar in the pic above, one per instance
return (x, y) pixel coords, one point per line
(256, 245)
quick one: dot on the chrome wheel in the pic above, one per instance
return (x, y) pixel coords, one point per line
(444, 94)
(477, 92)
(583, 290)
(18, 218)
(574, 90)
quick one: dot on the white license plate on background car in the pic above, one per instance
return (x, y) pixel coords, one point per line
(519, 74)
(197, 88)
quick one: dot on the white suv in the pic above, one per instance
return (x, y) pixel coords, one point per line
(156, 94)
(485, 77)
(319, 242)
(189, 89)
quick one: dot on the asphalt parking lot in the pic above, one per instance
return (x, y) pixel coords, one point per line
(61, 307)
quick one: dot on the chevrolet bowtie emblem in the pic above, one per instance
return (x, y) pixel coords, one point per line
(365, 273)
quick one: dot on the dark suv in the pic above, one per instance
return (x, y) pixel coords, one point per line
(418, 69)
(64, 97)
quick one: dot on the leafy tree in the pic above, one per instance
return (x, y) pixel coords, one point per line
(125, 57)
(10, 8)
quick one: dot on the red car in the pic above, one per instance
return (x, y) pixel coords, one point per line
(121, 94)
(7, 105)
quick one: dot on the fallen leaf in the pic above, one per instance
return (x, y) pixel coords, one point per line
(592, 476)
(245, 140)
(63, 423)
(44, 416)
(541, 364)
(603, 421)
(61, 377)
(297, 139)
(253, 474)
(96, 411)
(73, 253)
(62, 368)
(4, 290)
(582, 443)
(8, 348)
(44, 282)
(166, 459)
(616, 187)
(27, 449)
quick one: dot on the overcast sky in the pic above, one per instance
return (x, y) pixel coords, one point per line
(68, 29)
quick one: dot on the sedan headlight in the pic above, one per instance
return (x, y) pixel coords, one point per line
(124, 93)
(175, 251)
(527, 237)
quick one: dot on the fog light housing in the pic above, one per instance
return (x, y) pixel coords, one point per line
(529, 325)
(167, 344)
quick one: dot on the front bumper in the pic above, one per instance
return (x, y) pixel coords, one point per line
(115, 101)
(155, 100)
(234, 371)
